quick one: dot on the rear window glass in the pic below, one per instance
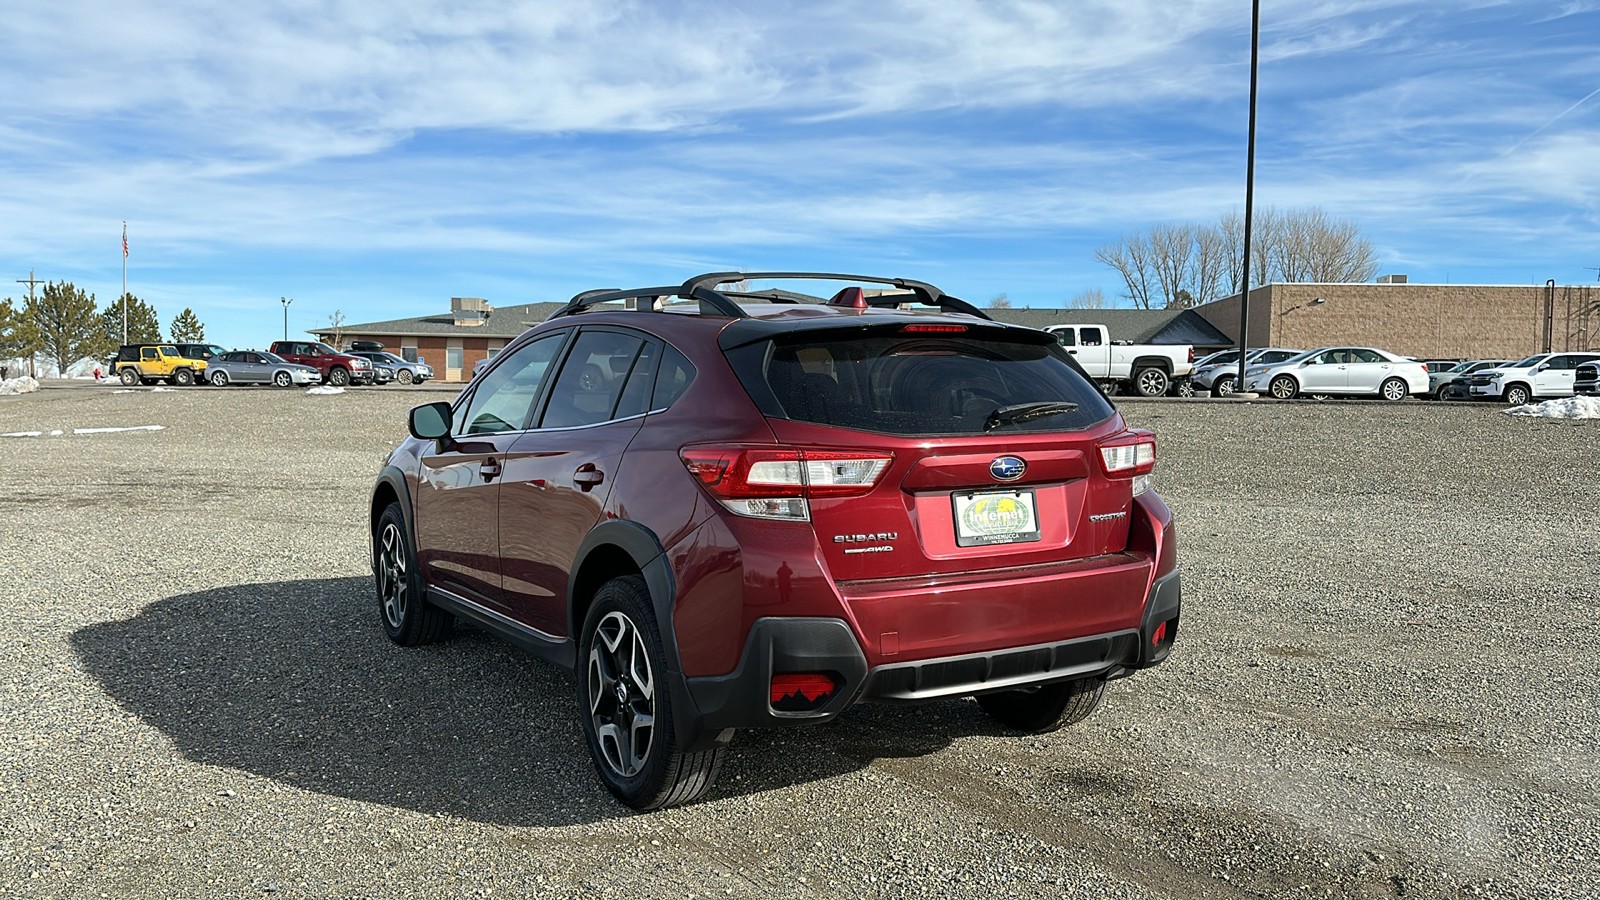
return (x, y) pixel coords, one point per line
(929, 384)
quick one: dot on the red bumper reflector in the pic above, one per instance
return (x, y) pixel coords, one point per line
(799, 691)
(1159, 636)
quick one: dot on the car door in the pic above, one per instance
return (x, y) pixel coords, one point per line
(257, 369)
(460, 480)
(1323, 373)
(559, 474)
(1365, 370)
(1554, 376)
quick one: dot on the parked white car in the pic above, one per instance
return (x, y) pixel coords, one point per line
(1542, 375)
(1340, 370)
(1218, 372)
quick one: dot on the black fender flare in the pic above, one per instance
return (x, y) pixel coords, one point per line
(650, 558)
(392, 477)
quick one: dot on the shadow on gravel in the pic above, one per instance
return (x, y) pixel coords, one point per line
(295, 682)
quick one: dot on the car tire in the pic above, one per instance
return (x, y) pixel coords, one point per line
(1517, 395)
(407, 617)
(282, 379)
(183, 378)
(1223, 386)
(338, 377)
(1393, 389)
(219, 379)
(1184, 388)
(1150, 382)
(1284, 387)
(404, 376)
(624, 701)
(130, 377)
(1044, 708)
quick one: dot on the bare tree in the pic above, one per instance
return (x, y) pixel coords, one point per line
(1172, 248)
(1131, 257)
(1000, 301)
(1089, 298)
(336, 329)
(1211, 265)
(1182, 265)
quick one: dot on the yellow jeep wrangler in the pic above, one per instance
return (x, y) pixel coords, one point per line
(146, 363)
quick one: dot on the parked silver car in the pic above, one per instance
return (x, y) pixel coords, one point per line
(1218, 372)
(1340, 370)
(258, 367)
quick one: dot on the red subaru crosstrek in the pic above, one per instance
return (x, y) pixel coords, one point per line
(729, 509)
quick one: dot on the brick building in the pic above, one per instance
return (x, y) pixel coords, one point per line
(1453, 321)
(451, 342)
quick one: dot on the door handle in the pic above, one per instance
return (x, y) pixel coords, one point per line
(490, 469)
(587, 477)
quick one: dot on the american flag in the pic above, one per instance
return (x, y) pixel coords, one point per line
(124, 242)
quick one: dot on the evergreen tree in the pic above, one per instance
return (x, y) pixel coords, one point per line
(12, 342)
(63, 325)
(187, 328)
(143, 326)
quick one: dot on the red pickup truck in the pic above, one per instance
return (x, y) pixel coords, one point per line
(338, 369)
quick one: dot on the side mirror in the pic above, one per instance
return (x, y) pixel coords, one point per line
(431, 422)
(1542, 367)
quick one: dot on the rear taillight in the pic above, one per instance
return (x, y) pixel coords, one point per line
(775, 484)
(1191, 353)
(1131, 454)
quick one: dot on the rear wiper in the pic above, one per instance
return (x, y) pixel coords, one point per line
(1026, 412)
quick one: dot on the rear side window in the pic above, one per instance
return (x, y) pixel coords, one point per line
(929, 384)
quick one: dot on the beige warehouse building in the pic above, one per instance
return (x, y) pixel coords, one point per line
(1464, 321)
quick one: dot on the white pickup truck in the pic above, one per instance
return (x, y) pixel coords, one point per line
(1148, 370)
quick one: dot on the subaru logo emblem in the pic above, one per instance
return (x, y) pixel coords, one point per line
(1007, 468)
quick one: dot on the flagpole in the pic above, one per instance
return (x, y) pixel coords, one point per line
(124, 281)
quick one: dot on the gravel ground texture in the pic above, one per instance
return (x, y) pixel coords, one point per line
(1383, 686)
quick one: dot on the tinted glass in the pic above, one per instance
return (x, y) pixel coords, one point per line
(505, 398)
(591, 380)
(1276, 356)
(641, 381)
(1366, 356)
(927, 384)
(676, 374)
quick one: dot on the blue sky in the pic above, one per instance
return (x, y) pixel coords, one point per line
(379, 158)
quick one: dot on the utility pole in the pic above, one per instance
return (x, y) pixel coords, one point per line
(30, 282)
(286, 301)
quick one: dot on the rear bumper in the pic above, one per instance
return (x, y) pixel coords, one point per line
(741, 699)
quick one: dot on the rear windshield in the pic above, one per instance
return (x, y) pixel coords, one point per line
(929, 384)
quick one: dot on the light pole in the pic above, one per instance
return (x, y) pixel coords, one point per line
(1249, 195)
(285, 301)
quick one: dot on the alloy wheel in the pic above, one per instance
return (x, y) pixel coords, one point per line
(393, 584)
(622, 701)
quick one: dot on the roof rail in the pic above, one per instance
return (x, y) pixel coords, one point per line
(702, 288)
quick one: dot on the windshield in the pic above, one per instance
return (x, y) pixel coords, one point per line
(274, 358)
(1528, 363)
(1223, 357)
(325, 348)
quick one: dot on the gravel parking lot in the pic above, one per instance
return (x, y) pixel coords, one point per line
(1383, 687)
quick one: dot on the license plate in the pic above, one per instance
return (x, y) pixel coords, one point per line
(995, 517)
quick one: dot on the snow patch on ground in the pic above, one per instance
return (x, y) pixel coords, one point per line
(155, 389)
(325, 390)
(111, 430)
(58, 432)
(23, 385)
(1566, 408)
